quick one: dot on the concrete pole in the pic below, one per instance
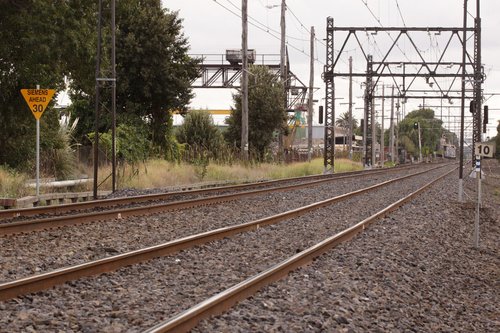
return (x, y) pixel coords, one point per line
(310, 101)
(244, 81)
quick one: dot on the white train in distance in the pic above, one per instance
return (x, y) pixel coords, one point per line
(450, 151)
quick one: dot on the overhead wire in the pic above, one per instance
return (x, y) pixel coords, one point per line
(268, 31)
(266, 26)
(365, 2)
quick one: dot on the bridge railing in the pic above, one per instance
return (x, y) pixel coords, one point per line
(220, 59)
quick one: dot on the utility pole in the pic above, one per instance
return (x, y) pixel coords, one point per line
(282, 70)
(244, 81)
(310, 101)
(391, 141)
(97, 97)
(419, 144)
(464, 55)
(382, 130)
(478, 96)
(105, 78)
(350, 109)
(113, 94)
(374, 130)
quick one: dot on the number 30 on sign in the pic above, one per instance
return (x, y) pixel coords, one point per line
(484, 149)
(37, 100)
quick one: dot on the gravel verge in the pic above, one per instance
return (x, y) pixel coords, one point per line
(42, 251)
(415, 271)
(137, 297)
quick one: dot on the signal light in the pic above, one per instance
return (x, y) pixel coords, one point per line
(472, 106)
(485, 119)
(320, 120)
(415, 125)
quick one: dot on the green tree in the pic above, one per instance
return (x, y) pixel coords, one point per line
(153, 68)
(431, 131)
(344, 122)
(199, 131)
(33, 51)
(266, 113)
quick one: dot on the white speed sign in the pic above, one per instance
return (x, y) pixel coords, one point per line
(485, 150)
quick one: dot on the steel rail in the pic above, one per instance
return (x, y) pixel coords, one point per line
(224, 300)
(120, 213)
(56, 209)
(46, 280)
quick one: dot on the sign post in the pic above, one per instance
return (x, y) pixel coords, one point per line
(476, 223)
(37, 100)
(482, 149)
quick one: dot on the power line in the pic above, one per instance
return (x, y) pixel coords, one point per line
(262, 29)
(400, 14)
(267, 26)
(365, 2)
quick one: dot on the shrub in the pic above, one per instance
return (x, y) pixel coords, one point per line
(200, 134)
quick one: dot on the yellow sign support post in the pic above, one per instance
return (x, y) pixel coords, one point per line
(37, 100)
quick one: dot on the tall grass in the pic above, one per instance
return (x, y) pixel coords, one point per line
(12, 183)
(160, 173)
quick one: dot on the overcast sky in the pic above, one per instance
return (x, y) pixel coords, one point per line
(211, 29)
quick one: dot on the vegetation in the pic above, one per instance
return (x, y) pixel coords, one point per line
(32, 52)
(266, 112)
(153, 68)
(199, 133)
(343, 121)
(157, 173)
(431, 131)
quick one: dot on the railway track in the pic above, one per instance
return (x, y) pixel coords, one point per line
(10, 215)
(46, 280)
(220, 302)
(52, 249)
(151, 207)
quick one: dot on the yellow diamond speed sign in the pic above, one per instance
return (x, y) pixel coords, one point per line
(37, 99)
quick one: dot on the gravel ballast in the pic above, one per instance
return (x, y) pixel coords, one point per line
(415, 271)
(137, 297)
(42, 251)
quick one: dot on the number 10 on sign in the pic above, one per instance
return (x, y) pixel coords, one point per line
(484, 150)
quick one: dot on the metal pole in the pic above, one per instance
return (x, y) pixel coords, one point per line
(398, 105)
(283, 70)
(310, 101)
(97, 102)
(373, 130)
(113, 93)
(478, 100)
(244, 83)
(382, 129)
(419, 144)
(37, 153)
(476, 222)
(464, 55)
(392, 125)
(350, 109)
